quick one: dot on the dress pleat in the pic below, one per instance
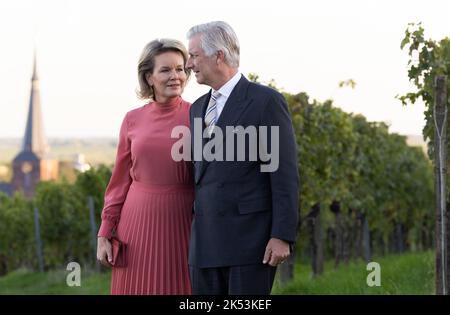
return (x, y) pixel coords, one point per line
(156, 227)
(150, 196)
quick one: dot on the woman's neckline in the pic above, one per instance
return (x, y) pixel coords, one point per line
(169, 105)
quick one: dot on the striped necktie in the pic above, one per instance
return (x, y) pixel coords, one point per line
(211, 113)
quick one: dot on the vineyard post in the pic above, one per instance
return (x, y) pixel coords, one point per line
(440, 122)
(37, 231)
(93, 230)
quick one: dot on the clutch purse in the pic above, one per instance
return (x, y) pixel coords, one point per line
(119, 253)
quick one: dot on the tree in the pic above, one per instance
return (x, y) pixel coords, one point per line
(430, 60)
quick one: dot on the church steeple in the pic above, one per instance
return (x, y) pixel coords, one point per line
(34, 139)
(35, 76)
(33, 164)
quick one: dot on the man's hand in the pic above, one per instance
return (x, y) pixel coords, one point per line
(104, 251)
(276, 252)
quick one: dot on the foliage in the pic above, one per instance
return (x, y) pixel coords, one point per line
(342, 157)
(64, 222)
(427, 59)
(16, 233)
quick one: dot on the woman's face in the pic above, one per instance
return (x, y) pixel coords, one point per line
(168, 77)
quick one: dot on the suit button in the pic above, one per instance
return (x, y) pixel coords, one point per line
(220, 185)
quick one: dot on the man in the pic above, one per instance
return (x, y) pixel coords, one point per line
(245, 219)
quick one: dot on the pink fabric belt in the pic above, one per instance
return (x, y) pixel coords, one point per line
(163, 188)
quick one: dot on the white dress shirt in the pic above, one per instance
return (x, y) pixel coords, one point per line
(225, 92)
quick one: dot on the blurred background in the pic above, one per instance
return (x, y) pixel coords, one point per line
(68, 75)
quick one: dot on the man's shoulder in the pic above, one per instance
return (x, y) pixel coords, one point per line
(199, 102)
(259, 90)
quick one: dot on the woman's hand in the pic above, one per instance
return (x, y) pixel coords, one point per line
(104, 251)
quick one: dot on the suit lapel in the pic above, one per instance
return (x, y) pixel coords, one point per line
(200, 114)
(234, 106)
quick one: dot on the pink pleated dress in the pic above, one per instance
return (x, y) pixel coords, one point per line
(148, 202)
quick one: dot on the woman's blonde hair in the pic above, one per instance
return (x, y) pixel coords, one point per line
(146, 63)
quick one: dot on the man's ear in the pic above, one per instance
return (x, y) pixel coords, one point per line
(220, 57)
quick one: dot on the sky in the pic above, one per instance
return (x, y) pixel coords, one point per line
(88, 51)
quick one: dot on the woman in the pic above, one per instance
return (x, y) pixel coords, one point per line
(148, 201)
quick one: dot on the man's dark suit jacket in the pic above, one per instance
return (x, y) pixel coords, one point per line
(237, 207)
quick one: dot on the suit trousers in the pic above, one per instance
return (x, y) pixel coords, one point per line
(233, 280)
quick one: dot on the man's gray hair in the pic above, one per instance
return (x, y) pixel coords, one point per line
(215, 36)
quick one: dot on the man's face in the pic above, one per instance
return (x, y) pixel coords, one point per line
(204, 67)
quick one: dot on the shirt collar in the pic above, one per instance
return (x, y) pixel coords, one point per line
(228, 87)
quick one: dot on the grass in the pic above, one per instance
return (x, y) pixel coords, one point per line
(410, 273)
(23, 281)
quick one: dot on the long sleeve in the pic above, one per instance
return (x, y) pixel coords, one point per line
(119, 184)
(285, 179)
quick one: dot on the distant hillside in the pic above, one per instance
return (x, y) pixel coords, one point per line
(416, 141)
(101, 150)
(95, 150)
